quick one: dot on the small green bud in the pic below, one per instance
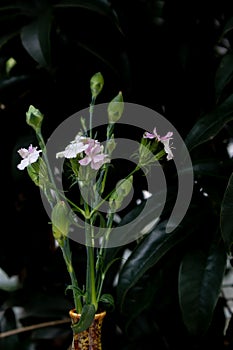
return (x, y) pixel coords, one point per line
(124, 186)
(122, 190)
(60, 221)
(115, 108)
(114, 202)
(110, 145)
(96, 84)
(34, 118)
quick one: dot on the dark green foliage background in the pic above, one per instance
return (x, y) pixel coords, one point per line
(174, 57)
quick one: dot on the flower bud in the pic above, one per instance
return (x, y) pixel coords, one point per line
(115, 108)
(34, 118)
(114, 202)
(110, 145)
(96, 84)
(60, 221)
(122, 190)
(124, 186)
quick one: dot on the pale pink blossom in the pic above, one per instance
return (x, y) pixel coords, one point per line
(29, 156)
(148, 135)
(92, 150)
(164, 139)
(94, 156)
(155, 135)
(78, 145)
(167, 149)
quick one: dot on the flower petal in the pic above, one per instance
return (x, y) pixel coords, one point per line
(148, 135)
(85, 161)
(29, 156)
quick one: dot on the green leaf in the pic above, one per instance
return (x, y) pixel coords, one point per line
(140, 298)
(18, 6)
(90, 50)
(101, 7)
(224, 73)
(7, 37)
(12, 82)
(36, 39)
(107, 299)
(210, 167)
(226, 213)
(200, 280)
(78, 291)
(148, 252)
(228, 27)
(86, 319)
(209, 125)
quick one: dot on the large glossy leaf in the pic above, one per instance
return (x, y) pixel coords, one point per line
(209, 125)
(200, 280)
(97, 55)
(150, 250)
(36, 39)
(5, 38)
(11, 21)
(207, 167)
(101, 7)
(228, 27)
(13, 7)
(140, 298)
(12, 82)
(226, 222)
(224, 73)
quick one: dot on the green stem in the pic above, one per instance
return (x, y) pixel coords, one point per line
(104, 180)
(73, 205)
(68, 260)
(101, 257)
(66, 247)
(91, 115)
(90, 267)
(110, 129)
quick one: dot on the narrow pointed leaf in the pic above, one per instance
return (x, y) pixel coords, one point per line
(228, 26)
(224, 73)
(107, 299)
(154, 247)
(226, 222)
(101, 7)
(200, 280)
(36, 39)
(209, 125)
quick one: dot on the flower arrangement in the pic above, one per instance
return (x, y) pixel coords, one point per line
(86, 165)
